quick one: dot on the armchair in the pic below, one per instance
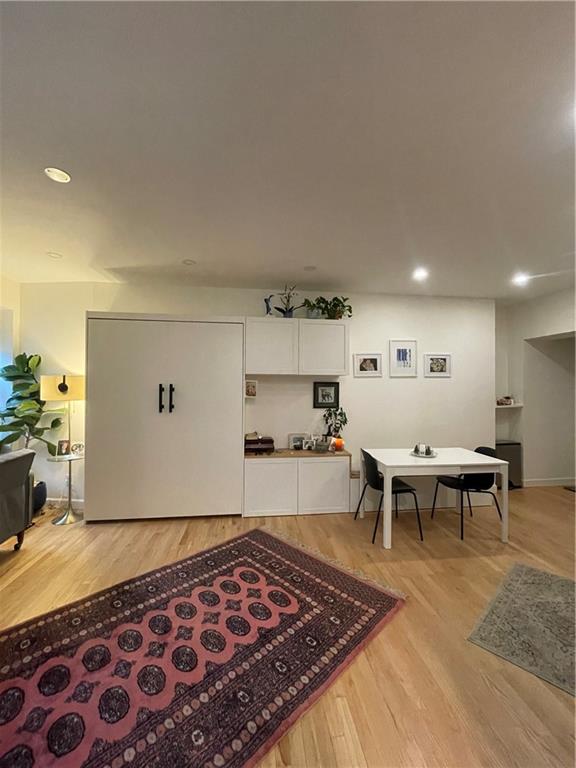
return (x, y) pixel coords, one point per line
(14, 494)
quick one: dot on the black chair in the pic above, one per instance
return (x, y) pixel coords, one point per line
(375, 480)
(464, 484)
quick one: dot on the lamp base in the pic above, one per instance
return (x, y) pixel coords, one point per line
(68, 517)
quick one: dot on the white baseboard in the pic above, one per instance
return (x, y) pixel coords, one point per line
(62, 502)
(534, 482)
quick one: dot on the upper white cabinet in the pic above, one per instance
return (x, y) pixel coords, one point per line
(271, 345)
(323, 347)
(291, 346)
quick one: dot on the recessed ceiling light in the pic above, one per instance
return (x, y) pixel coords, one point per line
(54, 255)
(521, 278)
(310, 268)
(188, 262)
(57, 174)
(420, 274)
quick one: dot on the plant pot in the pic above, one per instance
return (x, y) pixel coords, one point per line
(314, 314)
(335, 316)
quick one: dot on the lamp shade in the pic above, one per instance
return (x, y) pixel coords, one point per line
(62, 388)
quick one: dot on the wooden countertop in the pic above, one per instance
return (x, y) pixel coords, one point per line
(286, 453)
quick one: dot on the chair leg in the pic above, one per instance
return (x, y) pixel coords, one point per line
(469, 502)
(434, 502)
(396, 504)
(360, 502)
(462, 515)
(377, 519)
(496, 502)
(418, 515)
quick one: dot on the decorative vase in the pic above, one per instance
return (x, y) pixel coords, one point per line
(314, 314)
(39, 496)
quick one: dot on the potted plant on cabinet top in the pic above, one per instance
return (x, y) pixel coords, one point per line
(334, 309)
(335, 420)
(286, 300)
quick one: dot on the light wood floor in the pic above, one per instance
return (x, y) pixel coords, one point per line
(420, 694)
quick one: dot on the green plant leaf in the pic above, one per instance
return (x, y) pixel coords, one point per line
(21, 362)
(56, 423)
(11, 438)
(33, 362)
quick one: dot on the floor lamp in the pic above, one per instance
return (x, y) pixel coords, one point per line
(64, 389)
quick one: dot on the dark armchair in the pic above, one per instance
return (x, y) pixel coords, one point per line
(14, 494)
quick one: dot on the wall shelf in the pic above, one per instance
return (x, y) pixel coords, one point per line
(509, 407)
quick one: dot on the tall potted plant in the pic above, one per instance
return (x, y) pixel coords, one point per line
(24, 415)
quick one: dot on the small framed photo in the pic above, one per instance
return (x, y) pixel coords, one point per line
(368, 364)
(251, 388)
(438, 366)
(326, 394)
(63, 448)
(402, 358)
(296, 440)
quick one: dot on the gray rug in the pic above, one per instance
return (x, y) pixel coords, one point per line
(530, 622)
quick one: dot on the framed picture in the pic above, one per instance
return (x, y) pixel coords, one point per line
(63, 448)
(326, 394)
(402, 358)
(296, 440)
(251, 388)
(368, 364)
(438, 366)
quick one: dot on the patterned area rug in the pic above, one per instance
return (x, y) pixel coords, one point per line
(205, 662)
(530, 622)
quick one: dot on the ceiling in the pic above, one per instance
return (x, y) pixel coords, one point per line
(257, 139)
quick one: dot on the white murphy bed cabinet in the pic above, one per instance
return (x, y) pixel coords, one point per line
(292, 346)
(290, 483)
(164, 417)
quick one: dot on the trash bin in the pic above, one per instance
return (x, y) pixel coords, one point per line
(511, 451)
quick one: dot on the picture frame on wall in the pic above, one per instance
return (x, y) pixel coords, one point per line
(403, 358)
(367, 364)
(326, 394)
(438, 366)
(250, 388)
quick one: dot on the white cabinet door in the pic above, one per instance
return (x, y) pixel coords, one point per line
(270, 487)
(144, 460)
(271, 345)
(323, 485)
(323, 347)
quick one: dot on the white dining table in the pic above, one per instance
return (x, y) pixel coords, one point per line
(398, 462)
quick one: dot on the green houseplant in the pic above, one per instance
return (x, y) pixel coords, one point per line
(335, 420)
(24, 415)
(334, 309)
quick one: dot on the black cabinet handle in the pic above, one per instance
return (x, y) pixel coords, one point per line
(171, 398)
(160, 398)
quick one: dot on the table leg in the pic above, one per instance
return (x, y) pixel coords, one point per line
(362, 481)
(504, 482)
(70, 515)
(387, 511)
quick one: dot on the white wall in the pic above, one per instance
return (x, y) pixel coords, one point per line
(9, 328)
(539, 374)
(382, 412)
(548, 418)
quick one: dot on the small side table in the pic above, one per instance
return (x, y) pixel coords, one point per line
(69, 515)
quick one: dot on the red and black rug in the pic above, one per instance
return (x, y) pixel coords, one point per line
(205, 662)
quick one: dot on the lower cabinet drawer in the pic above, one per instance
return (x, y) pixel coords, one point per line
(270, 487)
(296, 486)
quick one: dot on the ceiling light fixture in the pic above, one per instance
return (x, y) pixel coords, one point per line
(521, 279)
(188, 262)
(310, 268)
(420, 274)
(57, 174)
(54, 255)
